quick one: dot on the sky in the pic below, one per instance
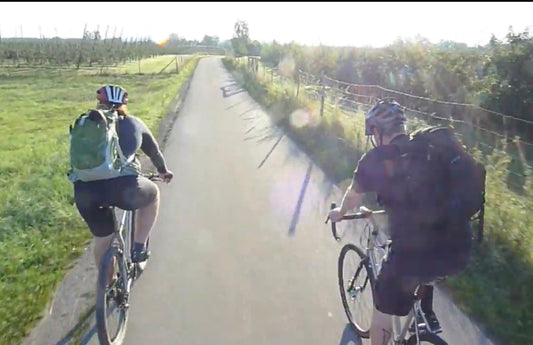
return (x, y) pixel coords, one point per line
(356, 24)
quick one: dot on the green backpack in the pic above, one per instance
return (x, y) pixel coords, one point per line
(95, 152)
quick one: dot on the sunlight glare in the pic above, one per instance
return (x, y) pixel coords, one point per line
(287, 66)
(300, 118)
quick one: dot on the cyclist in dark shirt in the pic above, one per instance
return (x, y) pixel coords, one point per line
(131, 190)
(418, 253)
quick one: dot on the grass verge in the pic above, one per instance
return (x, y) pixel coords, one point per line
(41, 232)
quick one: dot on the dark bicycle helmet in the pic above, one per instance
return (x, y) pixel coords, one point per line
(387, 115)
(112, 94)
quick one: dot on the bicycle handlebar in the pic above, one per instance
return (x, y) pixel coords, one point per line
(365, 213)
(152, 177)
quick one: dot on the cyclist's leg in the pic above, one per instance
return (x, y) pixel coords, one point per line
(439, 263)
(141, 194)
(393, 296)
(146, 216)
(381, 329)
(88, 198)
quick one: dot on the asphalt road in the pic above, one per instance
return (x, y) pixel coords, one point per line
(240, 251)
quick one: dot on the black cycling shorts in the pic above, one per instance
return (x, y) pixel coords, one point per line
(401, 273)
(125, 192)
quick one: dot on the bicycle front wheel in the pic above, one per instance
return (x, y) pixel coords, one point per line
(112, 299)
(426, 338)
(356, 288)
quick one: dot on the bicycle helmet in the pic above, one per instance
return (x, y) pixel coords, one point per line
(387, 116)
(112, 94)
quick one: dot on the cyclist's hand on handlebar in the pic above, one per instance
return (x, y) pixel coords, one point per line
(166, 177)
(335, 214)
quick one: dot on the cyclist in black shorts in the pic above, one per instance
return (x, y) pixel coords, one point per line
(419, 253)
(130, 191)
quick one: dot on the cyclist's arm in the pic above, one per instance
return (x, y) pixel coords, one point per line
(351, 198)
(365, 178)
(150, 147)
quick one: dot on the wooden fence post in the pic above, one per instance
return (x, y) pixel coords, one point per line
(322, 94)
(297, 82)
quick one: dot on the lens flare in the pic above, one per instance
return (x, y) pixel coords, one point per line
(287, 66)
(305, 117)
(300, 118)
(163, 43)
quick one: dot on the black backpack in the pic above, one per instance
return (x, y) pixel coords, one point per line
(442, 182)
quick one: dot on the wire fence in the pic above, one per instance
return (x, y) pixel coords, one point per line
(478, 128)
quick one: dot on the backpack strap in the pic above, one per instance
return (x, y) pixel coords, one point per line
(125, 160)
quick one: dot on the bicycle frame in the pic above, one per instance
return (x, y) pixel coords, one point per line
(124, 232)
(372, 245)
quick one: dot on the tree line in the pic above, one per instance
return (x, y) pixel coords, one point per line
(97, 49)
(497, 76)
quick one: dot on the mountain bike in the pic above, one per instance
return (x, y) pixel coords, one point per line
(112, 298)
(356, 285)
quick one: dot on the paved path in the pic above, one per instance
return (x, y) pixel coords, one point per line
(240, 253)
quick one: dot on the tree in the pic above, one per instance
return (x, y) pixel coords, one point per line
(210, 41)
(240, 40)
(240, 29)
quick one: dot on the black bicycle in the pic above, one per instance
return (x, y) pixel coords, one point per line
(357, 272)
(112, 298)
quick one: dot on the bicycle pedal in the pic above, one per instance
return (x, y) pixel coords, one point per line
(421, 326)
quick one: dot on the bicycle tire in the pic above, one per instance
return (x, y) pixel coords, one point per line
(105, 296)
(360, 319)
(426, 338)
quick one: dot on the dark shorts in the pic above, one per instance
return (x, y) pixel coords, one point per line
(126, 192)
(401, 273)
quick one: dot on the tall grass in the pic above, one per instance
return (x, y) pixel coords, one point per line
(41, 232)
(496, 288)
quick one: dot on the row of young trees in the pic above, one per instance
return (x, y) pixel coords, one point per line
(88, 51)
(96, 48)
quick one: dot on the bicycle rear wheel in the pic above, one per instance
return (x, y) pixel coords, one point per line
(356, 288)
(426, 338)
(112, 299)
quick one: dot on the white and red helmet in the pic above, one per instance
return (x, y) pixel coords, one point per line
(112, 94)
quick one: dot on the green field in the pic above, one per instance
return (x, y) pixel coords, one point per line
(41, 232)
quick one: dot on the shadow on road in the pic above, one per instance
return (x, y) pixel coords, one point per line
(80, 328)
(271, 150)
(296, 214)
(349, 337)
(231, 89)
(236, 104)
(246, 112)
